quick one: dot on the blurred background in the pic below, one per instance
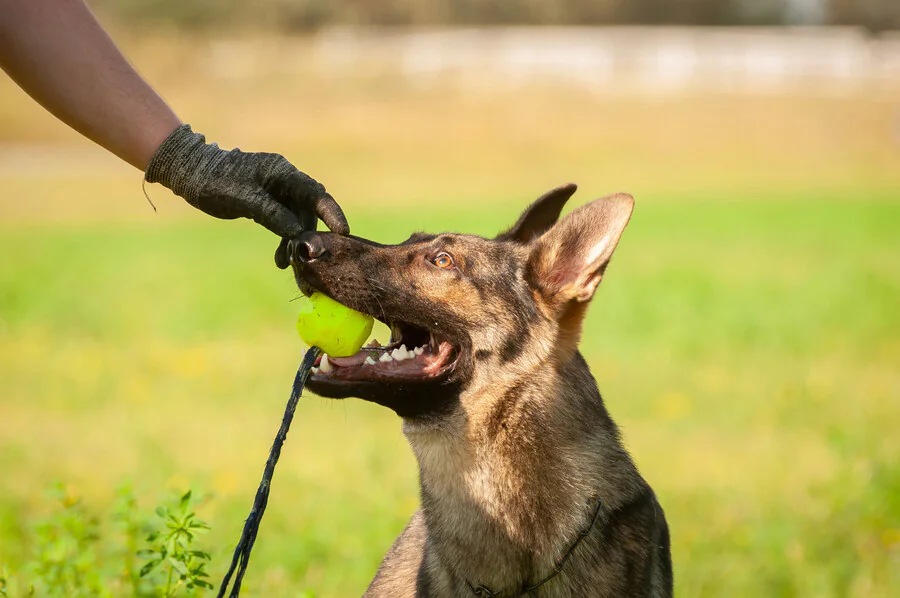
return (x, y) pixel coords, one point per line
(747, 337)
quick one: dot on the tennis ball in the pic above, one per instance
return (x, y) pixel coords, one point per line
(334, 328)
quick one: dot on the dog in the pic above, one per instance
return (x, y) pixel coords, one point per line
(526, 488)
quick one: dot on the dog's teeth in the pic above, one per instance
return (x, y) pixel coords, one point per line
(396, 333)
(419, 350)
(369, 361)
(404, 353)
(398, 355)
(315, 370)
(325, 366)
(385, 357)
(432, 341)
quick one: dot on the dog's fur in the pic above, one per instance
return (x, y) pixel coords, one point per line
(514, 444)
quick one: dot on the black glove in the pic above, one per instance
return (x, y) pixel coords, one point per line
(234, 184)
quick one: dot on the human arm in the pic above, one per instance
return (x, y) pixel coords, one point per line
(61, 56)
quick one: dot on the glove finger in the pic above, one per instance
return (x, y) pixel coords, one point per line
(332, 215)
(308, 220)
(282, 259)
(274, 216)
(303, 193)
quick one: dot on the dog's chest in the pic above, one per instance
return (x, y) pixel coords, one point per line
(480, 511)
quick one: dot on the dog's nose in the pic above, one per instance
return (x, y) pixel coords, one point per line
(306, 248)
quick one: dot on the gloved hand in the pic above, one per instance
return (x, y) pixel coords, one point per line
(234, 184)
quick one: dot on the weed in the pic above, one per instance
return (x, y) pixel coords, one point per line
(75, 555)
(170, 556)
(66, 559)
(131, 526)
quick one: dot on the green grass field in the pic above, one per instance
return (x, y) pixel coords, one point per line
(746, 338)
(748, 349)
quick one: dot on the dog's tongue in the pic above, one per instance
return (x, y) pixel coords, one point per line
(352, 360)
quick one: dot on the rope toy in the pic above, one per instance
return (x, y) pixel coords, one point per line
(327, 326)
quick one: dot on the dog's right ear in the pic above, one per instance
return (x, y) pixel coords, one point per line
(539, 216)
(568, 261)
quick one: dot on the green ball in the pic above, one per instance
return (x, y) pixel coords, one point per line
(335, 328)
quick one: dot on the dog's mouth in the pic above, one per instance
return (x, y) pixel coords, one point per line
(413, 354)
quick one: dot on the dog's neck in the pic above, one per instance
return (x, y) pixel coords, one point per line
(515, 474)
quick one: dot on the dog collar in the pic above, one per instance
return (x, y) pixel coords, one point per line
(483, 591)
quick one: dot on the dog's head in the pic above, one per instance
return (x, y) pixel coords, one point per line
(463, 310)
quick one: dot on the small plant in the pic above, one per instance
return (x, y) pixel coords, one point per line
(74, 554)
(132, 525)
(171, 558)
(65, 561)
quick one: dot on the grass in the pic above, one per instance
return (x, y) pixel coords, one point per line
(748, 349)
(746, 337)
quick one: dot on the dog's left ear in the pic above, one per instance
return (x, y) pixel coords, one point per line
(568, 261)
(540, 215)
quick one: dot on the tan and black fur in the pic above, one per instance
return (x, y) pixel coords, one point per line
(514, 445)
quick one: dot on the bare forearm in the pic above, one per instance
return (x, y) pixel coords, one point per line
(61, 56)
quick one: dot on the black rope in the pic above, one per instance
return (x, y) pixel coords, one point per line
(241, 557)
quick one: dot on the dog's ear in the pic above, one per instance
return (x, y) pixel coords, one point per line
(568, 261)
(539, 216)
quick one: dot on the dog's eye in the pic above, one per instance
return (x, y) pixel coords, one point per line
(443, 260)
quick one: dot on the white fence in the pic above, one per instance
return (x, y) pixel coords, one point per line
(646, 59)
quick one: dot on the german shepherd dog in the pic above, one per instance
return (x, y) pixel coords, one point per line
(526, 489)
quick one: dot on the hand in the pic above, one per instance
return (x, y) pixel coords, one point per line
(234, 184)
